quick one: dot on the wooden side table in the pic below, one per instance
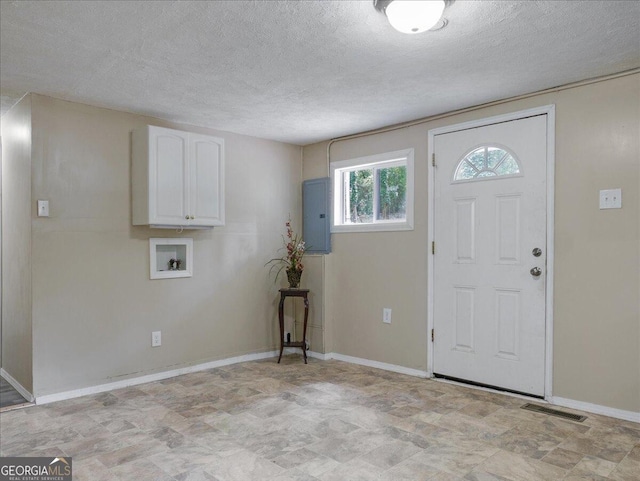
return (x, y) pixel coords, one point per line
(284, 293)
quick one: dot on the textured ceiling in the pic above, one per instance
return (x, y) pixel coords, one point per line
(303, 71)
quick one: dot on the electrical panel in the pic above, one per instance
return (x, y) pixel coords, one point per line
(316, 204)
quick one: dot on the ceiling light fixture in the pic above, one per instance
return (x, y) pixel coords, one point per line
(412, 16)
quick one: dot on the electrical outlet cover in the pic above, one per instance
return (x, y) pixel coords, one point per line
(43, 208)
(611, 199)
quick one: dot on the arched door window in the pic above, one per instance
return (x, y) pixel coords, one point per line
(485, 163)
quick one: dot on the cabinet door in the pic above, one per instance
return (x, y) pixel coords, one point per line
(206, 168)
(168, 201)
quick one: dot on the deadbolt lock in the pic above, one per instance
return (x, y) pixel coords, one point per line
(537, 252)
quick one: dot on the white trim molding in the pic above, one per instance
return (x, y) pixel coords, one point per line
(61, 396)
(557, 401)
(596, 409)
(319, 355)
(296, 350)
(16, 385)
(134, 381)
(377, 364)
(550, 112)
(360, 361)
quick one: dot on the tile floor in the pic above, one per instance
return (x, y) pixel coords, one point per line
(324, 421)
(9, 397)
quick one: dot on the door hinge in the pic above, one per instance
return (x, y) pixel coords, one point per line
(433, 247)
(433, 159)
(433, 335)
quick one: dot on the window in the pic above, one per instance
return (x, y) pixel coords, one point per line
(487, 162)
(373, 193)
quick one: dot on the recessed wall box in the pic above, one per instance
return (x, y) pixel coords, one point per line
(169, 258)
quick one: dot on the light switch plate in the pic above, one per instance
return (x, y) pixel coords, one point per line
(611, 199)
(43, 208)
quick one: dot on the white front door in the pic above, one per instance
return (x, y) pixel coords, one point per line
(490, 254)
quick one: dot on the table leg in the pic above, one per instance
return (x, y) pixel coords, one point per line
(281, 319)
(304, 329)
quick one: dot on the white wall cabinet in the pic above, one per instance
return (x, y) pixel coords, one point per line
(177, 179)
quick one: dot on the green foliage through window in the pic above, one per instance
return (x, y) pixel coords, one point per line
(373, 193)
(380, 190)
(392, 185)
(361, 196)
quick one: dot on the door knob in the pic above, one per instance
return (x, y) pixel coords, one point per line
(537, 252)
(536, 271)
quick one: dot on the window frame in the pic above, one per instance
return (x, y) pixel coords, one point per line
(339, 196)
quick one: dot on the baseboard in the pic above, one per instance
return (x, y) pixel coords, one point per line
(134, 381)
(313, 354)
(16, 385)
(376, 364)
(49, 398)
(319, 355)
(558, 401)
(596, 409)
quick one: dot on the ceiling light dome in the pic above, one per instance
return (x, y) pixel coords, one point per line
(414, 16)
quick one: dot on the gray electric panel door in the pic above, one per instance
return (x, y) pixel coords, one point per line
(316, 203)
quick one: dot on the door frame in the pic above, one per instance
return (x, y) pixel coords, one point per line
(550, 112)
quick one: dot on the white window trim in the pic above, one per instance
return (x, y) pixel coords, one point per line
(338, 167)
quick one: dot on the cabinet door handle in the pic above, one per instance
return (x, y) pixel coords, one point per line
(192, 217)
(186, 217)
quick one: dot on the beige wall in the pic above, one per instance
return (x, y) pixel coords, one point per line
(16, 243)
(314, 276)
(94, 306)
(597, 284)
(312, 279)
(597, 317)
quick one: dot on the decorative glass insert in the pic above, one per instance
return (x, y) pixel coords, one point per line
(486, 162)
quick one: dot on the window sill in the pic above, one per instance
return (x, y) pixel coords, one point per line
(382, 227)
